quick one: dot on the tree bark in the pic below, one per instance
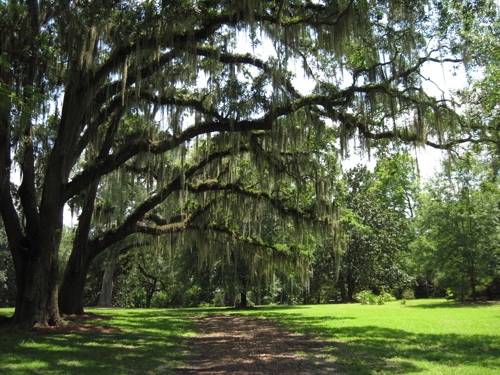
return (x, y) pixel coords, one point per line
(341, 285)
(150, 291)
(106, 296)
(243, 300)
(472, 281)
(71, 292)
(75, 274)
(36, 265)
(36, 302)
(34, 247)
(350, 286)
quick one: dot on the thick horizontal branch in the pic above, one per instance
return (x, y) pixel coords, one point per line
(254, 194)
(181, 102)
(129, 150)
(247, 59)
(335, 99)
(160, 220)
(130, 224)
(256, 242)
(188, 226)
(406, 137)
(172, 224)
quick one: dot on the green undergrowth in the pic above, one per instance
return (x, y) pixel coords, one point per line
(420, 337)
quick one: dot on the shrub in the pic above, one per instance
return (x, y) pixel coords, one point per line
(408, 294)
(386, 297)
(218, 299)
(367, 297)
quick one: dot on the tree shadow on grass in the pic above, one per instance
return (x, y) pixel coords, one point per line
(89, 354)
(149, 347)
(375, 347)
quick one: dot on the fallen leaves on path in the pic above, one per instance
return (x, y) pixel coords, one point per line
(230, 344)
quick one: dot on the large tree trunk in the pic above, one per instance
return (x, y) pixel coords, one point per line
(230, 296)
(350, 286)
(150, 291)
(244, 290)
(36, 265)
(73, 286)
(34, 232)
(472, 281)
(34, 245)
(105, 299)
(75, 274)
(36, 283)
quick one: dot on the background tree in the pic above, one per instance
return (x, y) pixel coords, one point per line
(397, 181)
(148, 274)
(324, 278)
(106, 295)
(75, 76)
(110, 265)
(376, 226)
(459, 202)
(458, 228)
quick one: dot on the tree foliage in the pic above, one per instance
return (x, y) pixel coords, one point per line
(459, 229)
(376, 226)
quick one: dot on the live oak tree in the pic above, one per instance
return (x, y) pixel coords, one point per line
(249, 235)
(90, 88)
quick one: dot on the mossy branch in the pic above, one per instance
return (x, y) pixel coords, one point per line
(130, 224)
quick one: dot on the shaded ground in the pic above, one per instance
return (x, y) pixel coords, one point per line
(71, 324)
(225, 344)
(229, 344)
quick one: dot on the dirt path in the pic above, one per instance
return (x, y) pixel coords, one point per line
(229, 344)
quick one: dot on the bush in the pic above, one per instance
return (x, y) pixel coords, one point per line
(386, 297)
(161, 300)
(218, 299)
(408, 294)
(367, 297)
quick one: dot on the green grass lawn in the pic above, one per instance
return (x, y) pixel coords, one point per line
(149, 343)
(426, 337)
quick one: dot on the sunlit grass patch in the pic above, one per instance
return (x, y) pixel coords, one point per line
(35, 366)
(424, 336)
